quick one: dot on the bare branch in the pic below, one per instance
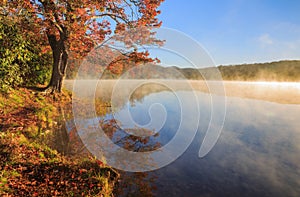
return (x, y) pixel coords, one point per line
(115, 17)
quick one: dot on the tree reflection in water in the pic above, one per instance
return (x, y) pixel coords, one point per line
(68, 141)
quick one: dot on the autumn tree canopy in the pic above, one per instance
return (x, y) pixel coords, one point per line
(77, 26)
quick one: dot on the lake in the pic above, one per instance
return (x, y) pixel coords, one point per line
(256, 152)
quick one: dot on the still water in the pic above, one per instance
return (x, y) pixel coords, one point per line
(256, 154)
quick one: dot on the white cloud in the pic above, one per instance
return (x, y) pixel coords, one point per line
(272, 49)
(265, 40)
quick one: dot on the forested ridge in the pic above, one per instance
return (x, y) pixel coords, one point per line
(288, 70)
(273, 71)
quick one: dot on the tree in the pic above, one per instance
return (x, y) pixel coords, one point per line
(80, 25)
(20, 60)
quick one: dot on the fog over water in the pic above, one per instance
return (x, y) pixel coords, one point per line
(279, 92)
(257, 153)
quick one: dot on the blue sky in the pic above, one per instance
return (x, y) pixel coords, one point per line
(238, 31)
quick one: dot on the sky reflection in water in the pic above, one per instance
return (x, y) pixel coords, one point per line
(257, 154)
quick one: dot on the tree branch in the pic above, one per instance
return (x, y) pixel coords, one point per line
(115, 17)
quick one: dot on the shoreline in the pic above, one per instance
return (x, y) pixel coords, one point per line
(31, 161)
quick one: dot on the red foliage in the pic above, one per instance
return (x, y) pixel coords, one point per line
(87, 22)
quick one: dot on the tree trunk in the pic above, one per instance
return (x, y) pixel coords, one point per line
(60, 59)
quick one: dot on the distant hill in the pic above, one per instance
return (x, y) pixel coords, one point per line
(274, 71)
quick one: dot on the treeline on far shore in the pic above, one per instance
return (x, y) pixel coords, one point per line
(288, 70)
(273, 71)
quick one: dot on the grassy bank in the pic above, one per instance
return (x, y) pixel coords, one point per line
(31, 167)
